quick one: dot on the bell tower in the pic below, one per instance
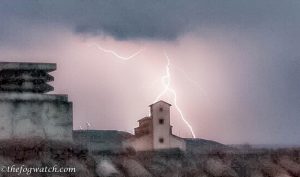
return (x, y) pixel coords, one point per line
(160, 113)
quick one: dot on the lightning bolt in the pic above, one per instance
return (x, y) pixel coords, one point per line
(117, 55)
(166, 82)
(165, 79)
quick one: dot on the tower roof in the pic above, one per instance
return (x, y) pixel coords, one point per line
(145, 118)
(160, 101)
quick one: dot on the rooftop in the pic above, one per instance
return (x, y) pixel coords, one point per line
(160, 102)
(145, 118)
(26, 77)
(48, 67)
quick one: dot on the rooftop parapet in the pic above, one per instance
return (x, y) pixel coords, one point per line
(26, 77)
(48, 67)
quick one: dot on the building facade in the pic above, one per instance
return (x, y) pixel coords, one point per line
(155, 131)
(25, 108)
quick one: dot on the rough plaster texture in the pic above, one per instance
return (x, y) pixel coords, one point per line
(32, 97)
(41, 116)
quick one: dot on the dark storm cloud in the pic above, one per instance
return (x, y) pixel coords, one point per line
(136, 19)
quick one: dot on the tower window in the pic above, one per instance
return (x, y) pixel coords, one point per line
(161, 121)
(161, 140)
(161, 109)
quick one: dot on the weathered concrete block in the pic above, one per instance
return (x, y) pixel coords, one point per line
(25, 111)
(26, 77)
(44, 118)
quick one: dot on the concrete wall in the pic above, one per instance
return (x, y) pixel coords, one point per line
(32, 96)
(42, 117)
(161, 130)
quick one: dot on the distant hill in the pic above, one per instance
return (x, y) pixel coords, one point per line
(102, 140)
(198, 145)
(102, 135)
(97, 140)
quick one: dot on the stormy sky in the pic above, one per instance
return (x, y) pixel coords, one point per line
(235, 64)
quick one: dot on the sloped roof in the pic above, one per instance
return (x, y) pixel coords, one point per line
(145, 118)
(159, 102)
